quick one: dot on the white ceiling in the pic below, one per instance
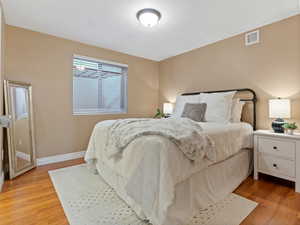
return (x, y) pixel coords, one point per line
(185, 24)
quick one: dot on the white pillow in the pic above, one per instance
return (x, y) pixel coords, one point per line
(181, 101)
(218, 106)
(236, 110)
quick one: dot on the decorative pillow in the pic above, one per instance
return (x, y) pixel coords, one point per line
(218, 106)
(194, 112)
(236, 110)
(181, 101)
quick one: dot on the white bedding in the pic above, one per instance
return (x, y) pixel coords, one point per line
(185, 133)
(229, 138)
(151, 167)
(202, 189)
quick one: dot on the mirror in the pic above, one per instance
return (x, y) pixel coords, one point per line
(21, 143)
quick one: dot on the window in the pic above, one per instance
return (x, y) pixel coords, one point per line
(20, 94)
(98, 86)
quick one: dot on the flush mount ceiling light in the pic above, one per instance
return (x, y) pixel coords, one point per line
(148, 17)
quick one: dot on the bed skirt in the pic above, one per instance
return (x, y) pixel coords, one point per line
(199, 191)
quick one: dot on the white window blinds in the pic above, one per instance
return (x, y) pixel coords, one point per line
(99, 87)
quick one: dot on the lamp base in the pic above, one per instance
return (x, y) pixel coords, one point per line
(167, 115)
(277, 125)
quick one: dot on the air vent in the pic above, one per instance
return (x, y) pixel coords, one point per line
(252, 38)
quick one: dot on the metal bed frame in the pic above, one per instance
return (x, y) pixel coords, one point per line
(253, 99)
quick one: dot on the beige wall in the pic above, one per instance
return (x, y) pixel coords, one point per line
(46, 62)
(271, 68)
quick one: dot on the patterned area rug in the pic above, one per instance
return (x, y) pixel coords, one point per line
(88, 200)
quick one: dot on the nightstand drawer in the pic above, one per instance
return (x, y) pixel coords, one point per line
(275, 165)
(275, 147)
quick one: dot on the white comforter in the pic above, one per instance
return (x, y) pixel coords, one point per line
(185, 133)
(152, 166)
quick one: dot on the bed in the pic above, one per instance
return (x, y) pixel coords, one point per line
(161, 185)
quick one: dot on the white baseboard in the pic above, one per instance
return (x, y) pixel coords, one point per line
(1, 180)
(59, 158)
(23, 155)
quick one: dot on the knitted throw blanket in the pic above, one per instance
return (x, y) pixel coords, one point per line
(186, 134)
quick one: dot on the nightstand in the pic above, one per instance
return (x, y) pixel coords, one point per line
(277, 155)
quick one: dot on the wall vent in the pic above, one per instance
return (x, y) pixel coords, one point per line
(252, 38)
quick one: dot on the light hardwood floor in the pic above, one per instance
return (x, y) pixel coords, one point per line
(31, 200)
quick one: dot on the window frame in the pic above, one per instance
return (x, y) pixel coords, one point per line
(124, 110)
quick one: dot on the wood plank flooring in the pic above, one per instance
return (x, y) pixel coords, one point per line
(31, 200)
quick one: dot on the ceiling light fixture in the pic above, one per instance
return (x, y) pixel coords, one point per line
(148, 17)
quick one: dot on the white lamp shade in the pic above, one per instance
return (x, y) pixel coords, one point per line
(168, 108)
(279, 108)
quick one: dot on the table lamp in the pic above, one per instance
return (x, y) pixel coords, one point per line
(279, 109)
(167, 109)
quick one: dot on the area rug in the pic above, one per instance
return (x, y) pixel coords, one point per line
(88, 200)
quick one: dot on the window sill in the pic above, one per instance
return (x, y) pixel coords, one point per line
(86, 113)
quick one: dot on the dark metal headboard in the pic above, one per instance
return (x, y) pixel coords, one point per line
(253, 99)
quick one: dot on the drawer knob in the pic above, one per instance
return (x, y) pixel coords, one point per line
(275, 165)
(275, 147)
